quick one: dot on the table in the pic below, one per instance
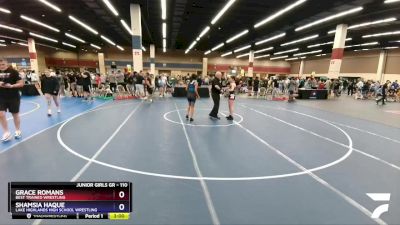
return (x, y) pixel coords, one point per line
(204, 92)
(313, 94)
(29, 90)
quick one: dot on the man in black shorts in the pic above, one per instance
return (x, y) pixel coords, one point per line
(10, 83)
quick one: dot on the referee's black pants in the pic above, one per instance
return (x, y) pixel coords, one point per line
(216, 99)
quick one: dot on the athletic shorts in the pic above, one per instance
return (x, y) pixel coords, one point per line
(11, 105)
(86, 88)
(191, 98)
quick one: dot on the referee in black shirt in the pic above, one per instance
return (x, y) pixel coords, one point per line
(216, 87)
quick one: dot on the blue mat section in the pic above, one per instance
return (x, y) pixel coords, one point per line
(34, 117)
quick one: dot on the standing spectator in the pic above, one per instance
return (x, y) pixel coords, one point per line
(79, 86)
(10, 82)
(216, 88)
(50, 88)
(112, 78)
(163, 85)
(120, 79)
(86, 86)
(139, 85)
(350, 89)
(256, 85)
(384, 91)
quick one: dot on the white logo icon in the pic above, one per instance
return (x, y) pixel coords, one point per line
(28, 215)
(380, 197)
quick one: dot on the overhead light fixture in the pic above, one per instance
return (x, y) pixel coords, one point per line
(264, 50)
(223, 10)
(217, 47)
(143, 48)
(359, 50)
(388, 20)
(204, 32)
(120, 48)
(271, 38)
(164, 30)
(5, 10)
(95, 46)
(287, 51)
(3, 45)
(394, 47)
(351, 11)
(382, 34)
(87, 27)
(164, 9)
(303, 57)
(187, 51)
(74, 37)
(241, 56)
(108, 40)
(291, 59)
(127, 28)
(207, 52)
(192, 45)
(69, 45)
(307, 53)
(391, 1)
(262, 56)
(364, 44)
(22, 44)
(197, 39)
(39, 23)
(164, 43)
(43, 37)
(326, 43)
(111, 7)
(280, 57)
(300, 40)
(320, 55)
(237, 36)
(2, 41)
(10, 28)
(164, 50)
(50, 5)
(242, 48)
(226, 54)
(279, 13)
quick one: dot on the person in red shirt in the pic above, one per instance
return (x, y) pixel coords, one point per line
(10, 83)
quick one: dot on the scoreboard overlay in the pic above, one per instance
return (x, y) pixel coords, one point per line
(70, 200)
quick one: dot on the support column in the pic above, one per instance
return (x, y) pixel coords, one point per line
(33, 55)
(152, 59)
(338, 51)
(251, 62)
(301, 70)
(205, 67)
(102, 66)
(136, 27)
(380, 74)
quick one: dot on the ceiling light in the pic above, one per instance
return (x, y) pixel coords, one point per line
(74, 37)
(22, 44)
(120, 48)
(164, 30)
(388, 20)
(264, 50)
(365, 49)
(204, 32)
(164, 50)
(192, 45)
(394, 47)
(187, 51)
(3, 45)
(164, 43)
(127, 28)
(2, 41)
(307, 53)
(226, 54)
(241, 56)
(217, 47)
(95, 46)
(271, 38)
(111, 7)
(364, 44)
(143, 48)
(330, 18)
(237, 36)
(303, 57)
(300, 40)
(43, 37)
(382, 34)
(280, 57)
(326, 43)
(87, 27)
(70, 45)
(320, 55)
(164, 9)
(262, 56)
(223, 10)
(197, 39)
(242, 48)
(391, 1)
(108, 40)
(39, 23)
(284, 52)
(5, 10)
(279, 13)
(50, 5)
(291, 59)
(207, 52)
(10, 28)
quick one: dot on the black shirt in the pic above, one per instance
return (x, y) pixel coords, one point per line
(214, 83)
(139, 79)
(50, 85)
(9, 76)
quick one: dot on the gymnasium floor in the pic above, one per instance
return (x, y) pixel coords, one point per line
(278, 163)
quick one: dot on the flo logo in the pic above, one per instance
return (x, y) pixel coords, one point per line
(380, 197)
